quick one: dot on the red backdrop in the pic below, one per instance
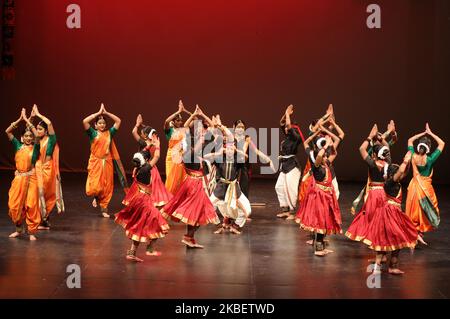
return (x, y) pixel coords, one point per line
(244, 59)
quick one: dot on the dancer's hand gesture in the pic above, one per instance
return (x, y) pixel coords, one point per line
(290, 110)
(139, 120)
(181, 106)
(427, 129)
(156, 142)
(330, 109)
(373, 132)
(103, 109)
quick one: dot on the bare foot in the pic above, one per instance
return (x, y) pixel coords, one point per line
(320, 253)
(310, 242)
(106, 215)
(420, 239)
(290, 217)
(282, 215)
(14, 235)
(219, 231)
(43, 227)
(153, 253)
(134, 258)
(196, 245)
(234, 231)
(328, 251)
(396, 271)
(187, 242)
(33, 238)
(94, 203)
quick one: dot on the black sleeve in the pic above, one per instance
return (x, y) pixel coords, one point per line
(293, 135)
(308, 151)
(143, 175)
(142, 144)
(370, 162)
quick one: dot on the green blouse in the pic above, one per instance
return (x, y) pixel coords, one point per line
(426, 169)
(92, 133)
(18, 145)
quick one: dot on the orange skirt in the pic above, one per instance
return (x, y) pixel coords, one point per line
(421, 204)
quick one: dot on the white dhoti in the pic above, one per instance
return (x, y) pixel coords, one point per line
(287, 188)
(231, 207)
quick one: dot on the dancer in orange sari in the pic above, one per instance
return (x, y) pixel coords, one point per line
(103, 159)
(175, 133)
(23, 200)
(47, 169)
(421, 202)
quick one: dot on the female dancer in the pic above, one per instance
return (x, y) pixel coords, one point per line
(103, 159)
(375, 195)
(23, 200)
(47, 169)
(191, 204)
(421, 202)
(289, 177)
(141, 219)
(175, 132)
(390, 229)
(320, 211)
(147, 138)
(244, 143)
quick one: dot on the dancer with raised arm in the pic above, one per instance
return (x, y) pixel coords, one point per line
(47, 169)
(320, 213)
(421, 202)
(191, 204)
(175, 133)
(390, 229)
(142, 221)
(104, 158)
(375, 196)
(289, 177)
(23, 200)
(148, 139)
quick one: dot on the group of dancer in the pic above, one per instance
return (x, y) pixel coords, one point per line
(208, 170)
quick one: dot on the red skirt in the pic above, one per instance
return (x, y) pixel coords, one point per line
(132, 191)
(376, 199)
(320, 210)
(390, 229)
(191, 205)
(160, 195)
(141, 220)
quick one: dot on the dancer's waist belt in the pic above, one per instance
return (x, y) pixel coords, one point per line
(227, 181)
(393, 202)
(145, 191)
(324, 187)
(28, 173)
(373, 186)
(194, 174)
(286, 156)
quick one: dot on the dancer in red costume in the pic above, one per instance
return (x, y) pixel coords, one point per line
(320, 211)
(141, 219)
(390, 229)
(375, 196)
(148, 139)
(191, 204)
